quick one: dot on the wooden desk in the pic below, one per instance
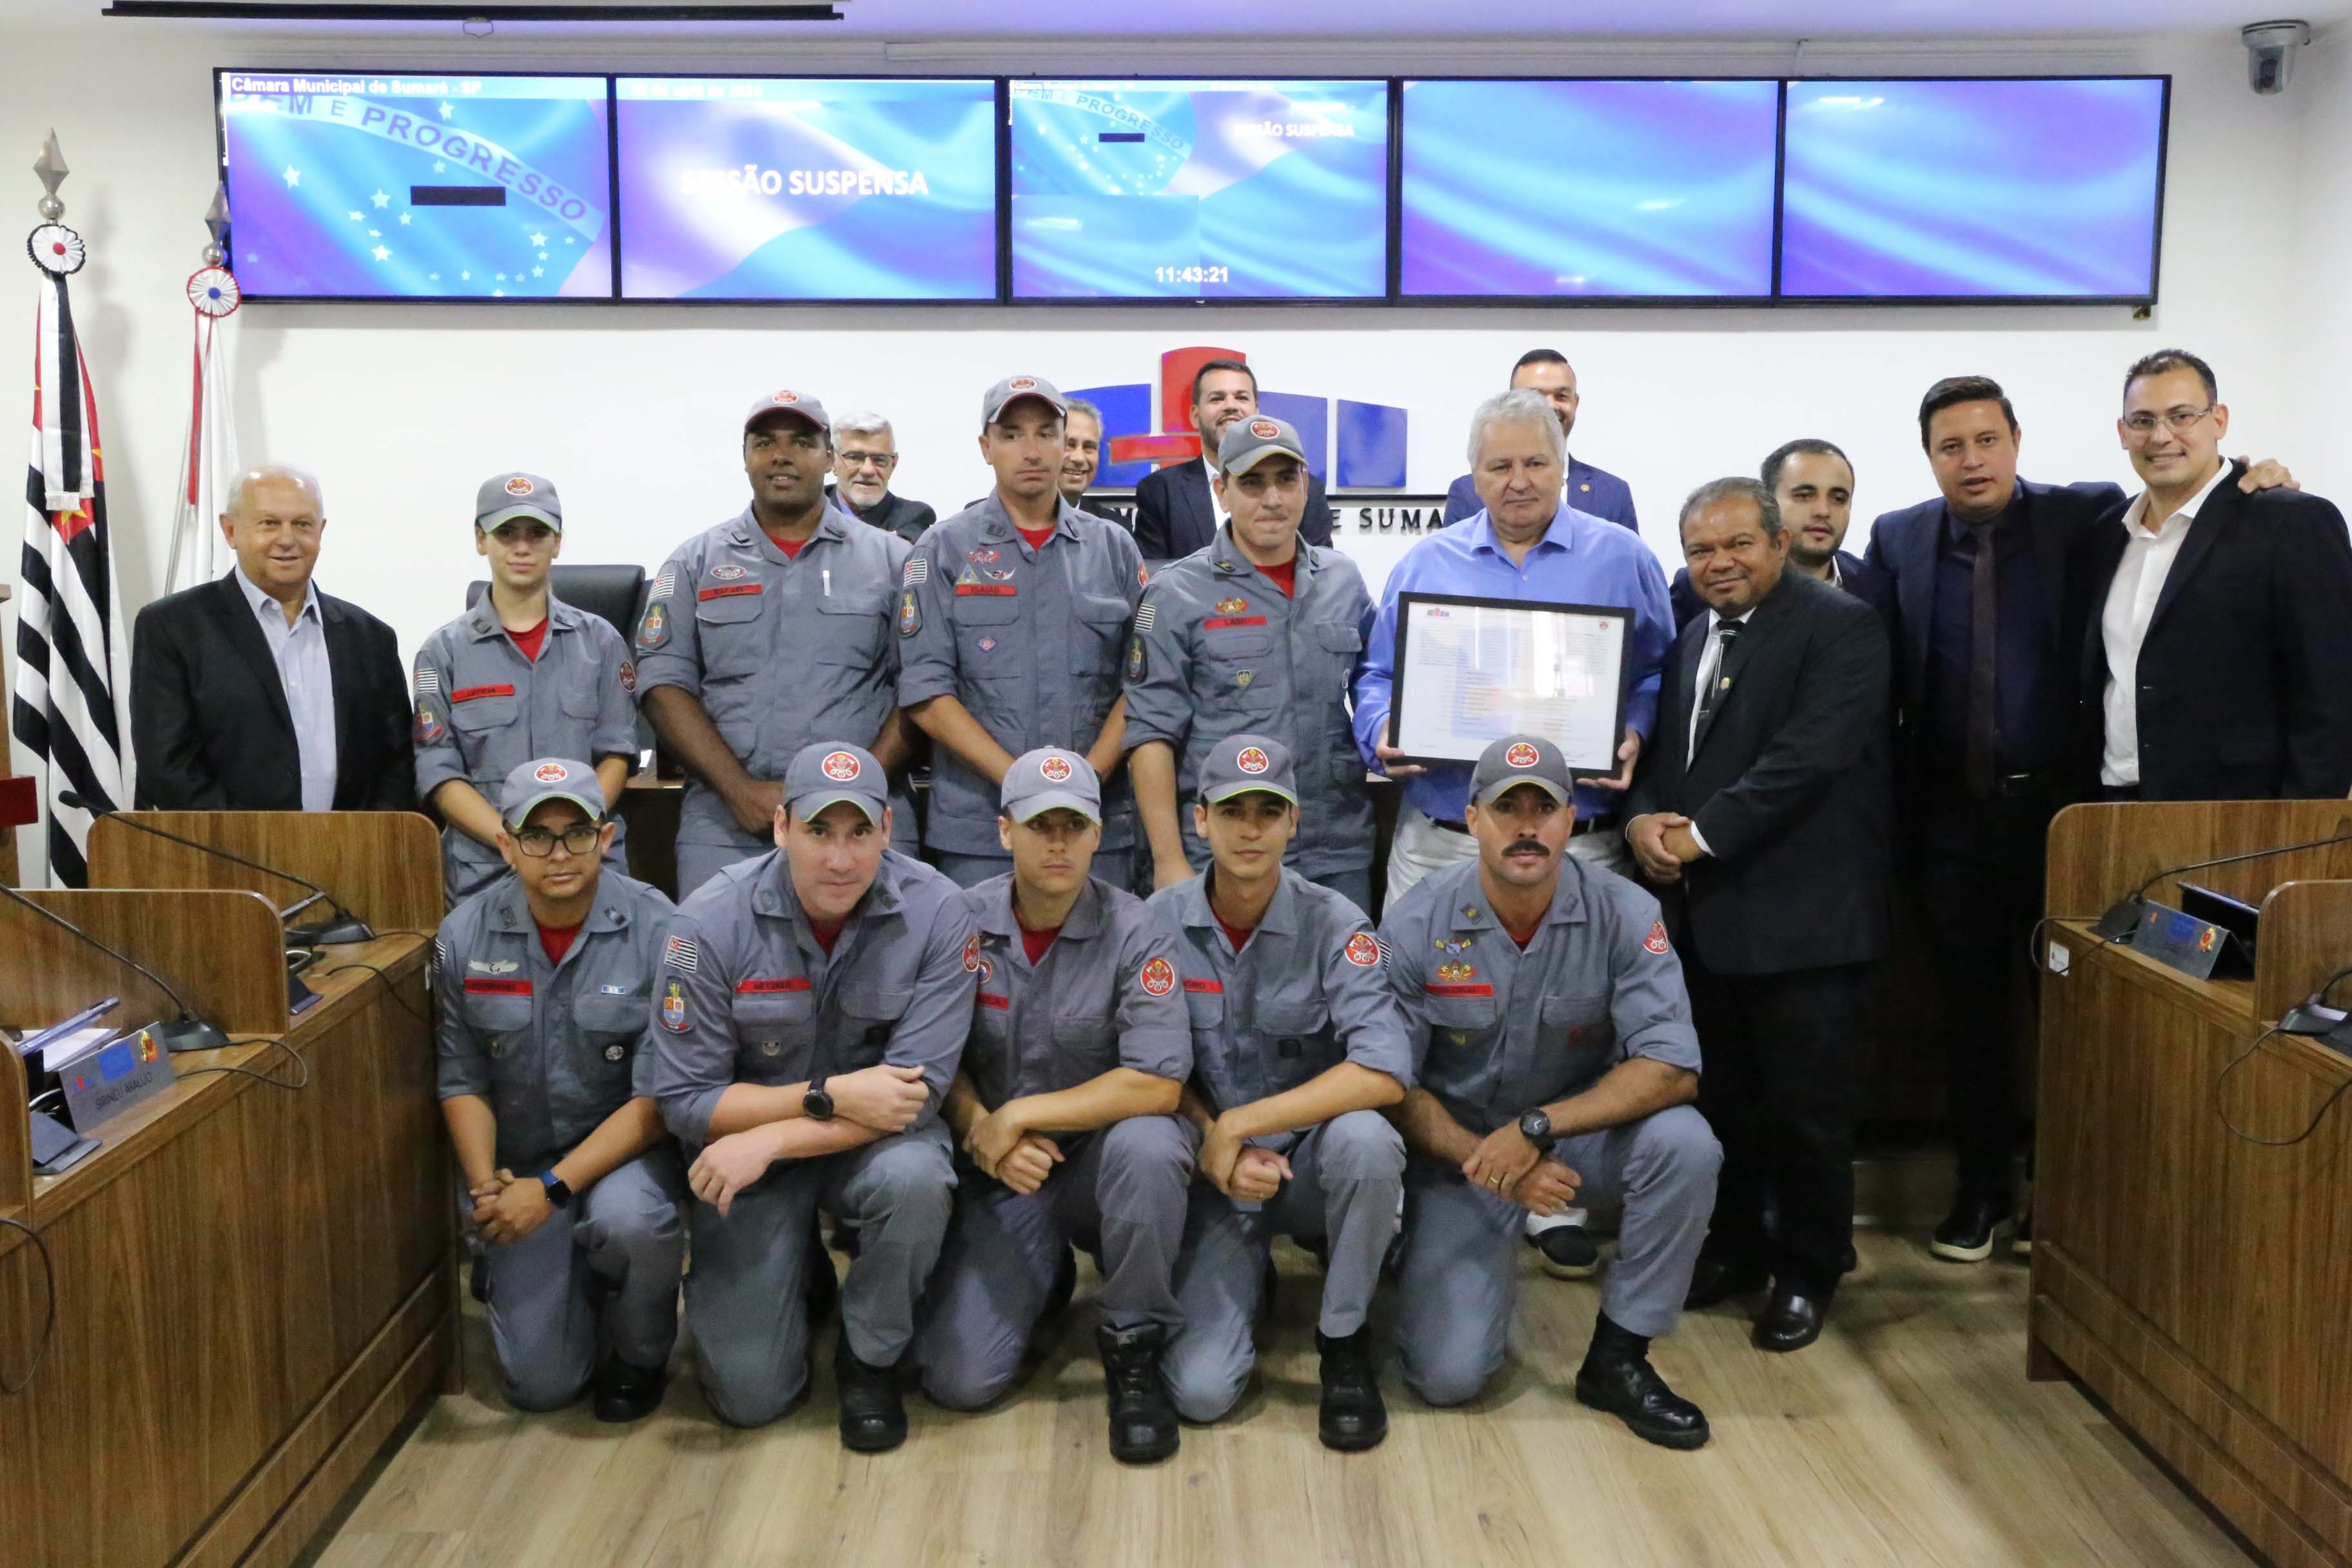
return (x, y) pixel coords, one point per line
(2198, 1282)
(254, 1288)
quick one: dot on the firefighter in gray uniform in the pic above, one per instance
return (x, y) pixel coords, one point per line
(812, 1008)
(1078, 1053)
(1297, 1047)
(521, 675)
(766, 634)
(1554, 1055)
(1013, 622)
(543, 983)
(1258, 632)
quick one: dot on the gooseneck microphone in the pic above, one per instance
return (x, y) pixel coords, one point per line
(2124, 915)
(345, 927)
(189, 1034)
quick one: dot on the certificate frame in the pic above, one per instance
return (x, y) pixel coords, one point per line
(1407, 604)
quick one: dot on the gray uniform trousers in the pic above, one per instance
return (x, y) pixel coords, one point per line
(1344, 1178)
(1123, 1187)
(622, 1241)
(743, 1297)
(1460, 1275)
(1116, 866)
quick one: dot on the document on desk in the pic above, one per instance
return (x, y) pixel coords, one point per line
(1470, 671)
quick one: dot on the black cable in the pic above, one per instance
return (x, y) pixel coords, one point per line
(2329, 983)
(296, 1056)
(49, 1323)
(2316, 1117)
(391, 986)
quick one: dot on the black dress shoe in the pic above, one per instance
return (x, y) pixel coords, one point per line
(1629, 1387)
(1716, 1280)
(1142, 1417)
(1966, 1235)
(1569, 1251)
(1789, 1321)
(872, 1420)
(1353, 1417)
(626, 1392)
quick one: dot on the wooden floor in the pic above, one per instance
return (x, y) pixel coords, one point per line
(1908, 1435)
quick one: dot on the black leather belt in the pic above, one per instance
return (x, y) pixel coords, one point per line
(1583, 825)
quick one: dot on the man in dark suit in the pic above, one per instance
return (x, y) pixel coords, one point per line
(1760, 815)
(1996, 584)
(861, 467)
(1588, 489)
(1175, 509)
(259, 693)
(1812, 481)
(2216, 667)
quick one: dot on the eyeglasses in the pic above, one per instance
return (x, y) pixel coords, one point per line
(879, 459)
(580, 838)
(2180, 421)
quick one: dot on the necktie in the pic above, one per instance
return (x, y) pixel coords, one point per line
(1719, 685)
(1984, 663)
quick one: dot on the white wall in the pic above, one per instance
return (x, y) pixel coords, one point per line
(2317, 312)
(402, 409)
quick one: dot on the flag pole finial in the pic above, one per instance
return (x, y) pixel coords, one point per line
(51, 167)
(216, 224)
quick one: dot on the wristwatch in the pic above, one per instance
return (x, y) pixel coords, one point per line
(816, 1104)
(1536, 1128)
(558, 1192)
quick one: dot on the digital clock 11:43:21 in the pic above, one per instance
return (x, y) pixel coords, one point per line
(1193, 274)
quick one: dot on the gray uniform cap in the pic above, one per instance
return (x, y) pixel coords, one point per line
(550, 778)
(1241, 764)
(515, 494)
(799, 405)
(1015, 387)
(1051, 778)
(828, 772)
(1521, 760)
(1249, 442)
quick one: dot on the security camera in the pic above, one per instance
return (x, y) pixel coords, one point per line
(2270, 52)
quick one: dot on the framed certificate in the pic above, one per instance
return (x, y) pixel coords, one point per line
(1470, 671)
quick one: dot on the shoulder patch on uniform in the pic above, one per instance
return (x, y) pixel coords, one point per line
(1158, 977)
(1657, 940)
(910, 614)
(440, 954)
(916, 570)
(428, 725)
(1362, 951)
(666, 583)
(972, 953)
(654, 630)
(673, 1008)
(1147, 616)
(683, 952)
(428, 680)
(629, 677)
(1139, 661)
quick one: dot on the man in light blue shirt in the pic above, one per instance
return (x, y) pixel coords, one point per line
(1525, 544)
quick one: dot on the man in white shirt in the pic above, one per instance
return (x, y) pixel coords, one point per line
(2218, 655)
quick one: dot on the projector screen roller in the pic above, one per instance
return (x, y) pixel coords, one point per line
(778, 189)
(1984, 189)
(362, 186)
(1599, 190)
(1213, 190)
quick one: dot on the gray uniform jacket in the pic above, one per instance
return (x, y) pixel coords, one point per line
(747, 994)
(483, 709)
(1105, 995)
(781, 652)
(555, 1048)
(1304, 994)
(1031, 642)
(1218, 650)
(1496, 1032)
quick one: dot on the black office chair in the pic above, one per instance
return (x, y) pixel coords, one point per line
(617, 594)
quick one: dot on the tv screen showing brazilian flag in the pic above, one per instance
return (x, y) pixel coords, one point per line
(366, 185)
(1207, 190)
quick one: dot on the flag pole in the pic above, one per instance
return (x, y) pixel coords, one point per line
(208, 459)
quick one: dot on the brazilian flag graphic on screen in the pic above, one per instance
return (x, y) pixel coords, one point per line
(418, 186)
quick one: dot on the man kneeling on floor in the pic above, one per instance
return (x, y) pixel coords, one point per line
(542, 982)
(813, 1005)
(1554, 1054)
(1078, 1052)
(1295, 1047)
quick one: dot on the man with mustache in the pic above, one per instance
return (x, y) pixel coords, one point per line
(1176, 508)
(1553, 1055)
(1760, 815)
(861, 467)
(1013, 619)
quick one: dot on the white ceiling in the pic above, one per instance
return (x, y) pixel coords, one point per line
(1490, 20)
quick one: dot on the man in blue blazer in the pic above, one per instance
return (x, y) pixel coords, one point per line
(1588, 489)
(1996, 583)
(1175, 511)
(1811, 481)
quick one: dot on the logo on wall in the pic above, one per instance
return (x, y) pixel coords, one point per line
(1351, 444)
